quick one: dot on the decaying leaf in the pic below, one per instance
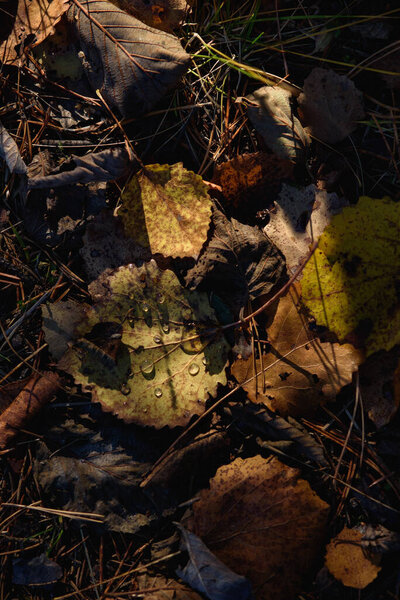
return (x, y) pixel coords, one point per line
(37, 392)
(239, 263)
(34, 21)
(330, 104)
(251, 181)
(300, 372)
(379, 383)
(270, 111)
(350, 284)
(264, 522)
(38, 570)
(10, 154)
(149, 350)
(158, 587)
(161, 14)
(347, 561)
(59, 324)
(131, 64)
(298, 219)
(205, 573)
(96, 166)
(106, 247)
(167, 209)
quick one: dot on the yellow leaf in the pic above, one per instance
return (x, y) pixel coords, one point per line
(167, 209)
(351, 283)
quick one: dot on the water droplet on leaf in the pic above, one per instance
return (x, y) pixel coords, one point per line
(125, 389)
(158, 392)
(194, 369)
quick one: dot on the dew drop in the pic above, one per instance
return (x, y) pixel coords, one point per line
(157, 339)
(165, 328)
(145, 410)
(125, 403)
(147, 368)
(158, 392)
(204, 361)
(160, 298)
(125, 389)
(194, 369)
(145, 308)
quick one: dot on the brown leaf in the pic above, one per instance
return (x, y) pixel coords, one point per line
(300, 371)
(160, 14)
(158, 587)
(38, 392)
(249, 182)
(131, 64)
(331, 105)
(34, 20)
(298, 218)
(347, 561)
(263, 522)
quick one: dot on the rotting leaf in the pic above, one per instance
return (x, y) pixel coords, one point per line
(262, 521)
(300, 372)
(350, 285)
(239, 263)
(161, 14)
(167, 209)
(34, 21)
(167, 354)
(298, 219)
(205, 573)
(347, 561)
(250, 181)
(131, 64)
(36, 571)
(330, 104)
(270, 111)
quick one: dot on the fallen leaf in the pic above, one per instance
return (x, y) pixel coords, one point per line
(298, 218)
(264, 522)
(105, 246)
(90, 465)
(270, 111)
(249, 182)
(346, 560)
(34, 21)
(59, 323)
(167, 209)
(300, 372)
(378, 539)
(161, 14)
(167, 353)
(158, 587)
(35, 395)
(39, 570)
(10, 154)
(379, 386)
(131, 64)
(350, 283)
(330, 105)
(208, 575)
(239, 263)
(96, 166)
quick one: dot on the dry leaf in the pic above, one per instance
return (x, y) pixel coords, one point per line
(331, 105)
(298, 218)
(35, 18)
(10, 154)
(300, 371)
(160, 14)
(249, 182)
(131, 64)
(264, 522)
(346, 560)
(270, 111)
(158, 587)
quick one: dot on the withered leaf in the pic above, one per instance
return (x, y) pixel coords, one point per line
(270, 111)
(300, 372)
(38, 570)
(262, 521)
(10, 154)
(239, 263)
(158, 587)
(330, 104)
(131, 64)
(346, 560)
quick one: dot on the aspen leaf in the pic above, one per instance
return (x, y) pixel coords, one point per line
(167, 209)
(351, 283)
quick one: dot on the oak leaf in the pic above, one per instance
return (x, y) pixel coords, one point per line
(351, 283)
(263, 522)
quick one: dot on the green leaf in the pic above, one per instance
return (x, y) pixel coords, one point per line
(351, 283)
(170, 356)
(167, 209)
